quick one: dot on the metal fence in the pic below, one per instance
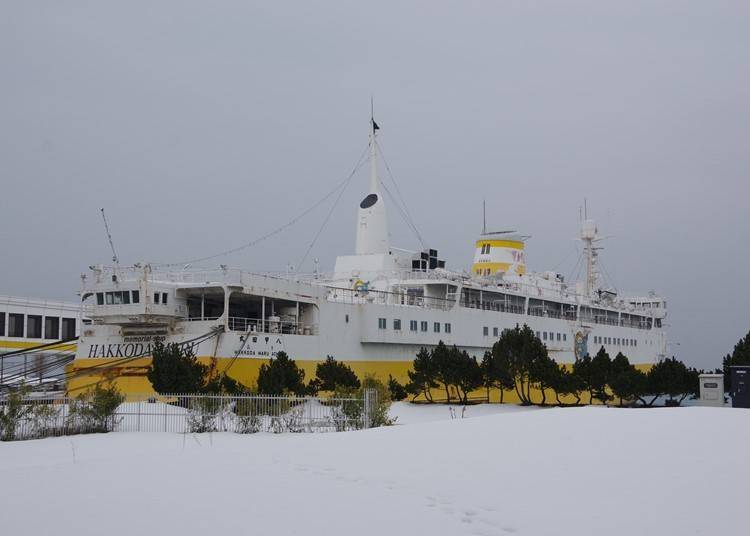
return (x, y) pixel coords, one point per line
(38, 417)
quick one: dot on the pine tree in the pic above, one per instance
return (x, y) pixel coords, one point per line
(739, 356)
(396, 390)
(332, 374)
(281, 376)
(599, 375)
(423, 376)
(175, 369)
(626, 382)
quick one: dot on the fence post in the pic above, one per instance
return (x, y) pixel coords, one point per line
(370, 400)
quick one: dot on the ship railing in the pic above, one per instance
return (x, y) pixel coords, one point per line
(380, 297)
(271, 325)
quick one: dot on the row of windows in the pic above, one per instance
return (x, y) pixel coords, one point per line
(617, 341)
(126, 297)
(414, 325)
(553, 336)
(36, 326)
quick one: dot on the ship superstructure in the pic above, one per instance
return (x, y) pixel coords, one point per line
(374, 312)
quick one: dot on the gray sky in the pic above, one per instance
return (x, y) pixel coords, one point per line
(202, 125)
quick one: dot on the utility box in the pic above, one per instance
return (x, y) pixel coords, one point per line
(740, 386)
(711, 390)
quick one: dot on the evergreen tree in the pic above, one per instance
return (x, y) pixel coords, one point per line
(581, 376)
(423, 376)
(396, 390)
(281, 376)
(626, 382)
(739, 356)
(175, 369)
(673, 378)
(332, 374)
(520, 348)
(446, 371)
(599, 375)
(469, 373)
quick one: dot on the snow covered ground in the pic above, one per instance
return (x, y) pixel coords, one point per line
(581, 471)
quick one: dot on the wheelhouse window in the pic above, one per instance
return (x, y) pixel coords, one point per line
(68, 328)
(33, 327)
(51, 327)
(15, 325)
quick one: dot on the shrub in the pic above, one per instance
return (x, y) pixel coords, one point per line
(12, 412)
(94, 410)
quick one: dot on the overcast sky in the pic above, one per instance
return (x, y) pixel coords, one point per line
(202, 125)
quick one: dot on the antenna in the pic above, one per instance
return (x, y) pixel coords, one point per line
(484, 216)
(115, 259)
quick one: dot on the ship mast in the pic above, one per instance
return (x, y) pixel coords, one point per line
(372, 223)
(590, 235)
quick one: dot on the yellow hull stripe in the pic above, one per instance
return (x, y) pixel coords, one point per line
(131, 379)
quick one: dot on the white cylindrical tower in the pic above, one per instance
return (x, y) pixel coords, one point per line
(372, 223)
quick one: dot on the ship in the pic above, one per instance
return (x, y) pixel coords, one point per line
(374, 312)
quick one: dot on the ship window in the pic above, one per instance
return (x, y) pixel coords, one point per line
(164, 298)
(494, 332)
(110, 298)
(51, 327)
(346, 318)
(156, 297)
(447, 327)
(537, 334)
(2, 324)
(565, 337)
(15, 325)
(436, 327)
(68, 328)
(34, 327)
(412, 325)
(117, 297)
(423, 325)
(558, 337)
(126, 297)
(486, 331)
(136, 296)
(381, 323)
(397, 324)
(100, 298)
(544, 335)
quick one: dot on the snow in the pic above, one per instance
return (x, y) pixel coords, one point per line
(590, 470)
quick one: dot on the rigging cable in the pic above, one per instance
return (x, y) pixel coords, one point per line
(330, 212)
(278, 229)
(410, 221)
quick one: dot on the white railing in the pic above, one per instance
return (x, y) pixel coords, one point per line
(36, 417)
